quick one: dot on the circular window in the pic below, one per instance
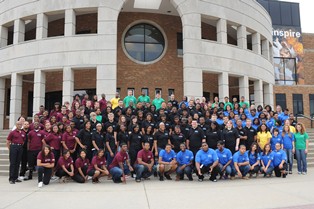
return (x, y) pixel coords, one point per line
(144, 43)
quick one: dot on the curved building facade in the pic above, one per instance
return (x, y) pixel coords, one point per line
(186, 47)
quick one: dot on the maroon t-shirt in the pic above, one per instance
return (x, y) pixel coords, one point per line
(17, 137)
(46, 133)
(97, 161)
(146, 156)
(31, 126)
(69, 140)
(60, 116)
(47, 159)
(35, 140)
(66, 162)
(54, 140)
(80, 163)
(120, 157)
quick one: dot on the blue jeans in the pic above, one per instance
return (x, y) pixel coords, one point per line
(228, 171)
(289, 159)
(116, 172)
(109, 158)
(142, 171)
(269, 170)
(187, 170)
(244, 169)
(301, 160)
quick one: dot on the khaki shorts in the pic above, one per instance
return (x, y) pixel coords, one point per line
(167, 168)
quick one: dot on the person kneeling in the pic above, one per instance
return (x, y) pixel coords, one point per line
(206, 161)
(241, 162)
(45, 163)
(81, 165)
(225, 160)
(167, 163)
(144, 165)
(65, 168)
(280, 159)
(267, 158)
(97, 168)
(185, 159)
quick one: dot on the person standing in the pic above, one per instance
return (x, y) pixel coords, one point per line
(143, 98)
(103, 102)
(241, 162)
(84, 139)
(15, 142)
(301, 148)
(185, 163)
(195, 138)
(231, 137)
(206, 161)
(263, 137)
(115, 101)
(128, 98)
(251, 134)
(288, 146)
(158, 101)
(144, 165)
(45, 163)
(24, 155)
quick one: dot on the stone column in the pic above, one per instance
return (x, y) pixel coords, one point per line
(244, 87)
(69, 22)
(222, 31)
(68, 85)
(265, 49)
(3, 36)
(42, 26)
(256, 43)
(16, 98)
(223, 85)
(19, 31)
(258, 93)
(241, 37)
(269, 94)
(2, 98)
(39, 90)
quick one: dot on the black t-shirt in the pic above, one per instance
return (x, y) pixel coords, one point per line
(150, 139)
(99, 139)
(251, 133)
(136, 140)
(85, 137)
(174, 103)
(185, 129)
(230, 136)
(212, 137)
(123, 137)
(204, 127)
(112, 144)
(113, 124)
(242, 132)
(161, 138)
(196, 136)
(79, 121)
(146, 123)
(176, 140)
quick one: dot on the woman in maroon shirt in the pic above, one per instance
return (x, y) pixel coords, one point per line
(97, 168)
(45, 163)
(54, 141)
(69, 142)
(81, 165)
(65, 167)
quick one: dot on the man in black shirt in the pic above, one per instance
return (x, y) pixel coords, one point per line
(251, 134)
(195, 138)
(161, 138)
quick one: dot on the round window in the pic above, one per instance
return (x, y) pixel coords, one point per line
(144, 43)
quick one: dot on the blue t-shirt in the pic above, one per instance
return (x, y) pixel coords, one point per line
(185, 157)
(224, 156)
(167, 157)
(206, 158)
(274, 140)
(252, 158)
(287, 141)
(283, 117)
(278, 157)
(240, 158)
(267, 158)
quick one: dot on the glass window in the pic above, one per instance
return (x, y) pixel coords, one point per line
(157, 91)
(312, 104)
(297, 104)
(144, 42)
(179, 44)
(130, 89)
(281, 100)
(30, 104)
(285, 70)
(145, 90)
(8, 99)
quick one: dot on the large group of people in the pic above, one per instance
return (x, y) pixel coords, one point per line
(140, 138)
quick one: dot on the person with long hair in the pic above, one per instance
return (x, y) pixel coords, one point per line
(288, 146)
(263, 137)
(84, 139)
(267, 158)
(231, 137)
(111, 145)
(276, 138)
(68, 141)
(80, 168)
(65, 167)
(54, 141)
(135, 143)
(98, 168)
(301, 147)
(254, 159)
(45, 163)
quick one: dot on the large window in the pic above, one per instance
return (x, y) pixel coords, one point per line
(285, 70)
(179, 44)
(312, 104)
(144, 43)
(281, 100)
(298, 104)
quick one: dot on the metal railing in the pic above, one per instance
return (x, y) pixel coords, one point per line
(311, 118)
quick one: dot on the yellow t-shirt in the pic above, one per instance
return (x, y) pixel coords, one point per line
(114, 102)
(292, 129)
(263, 138)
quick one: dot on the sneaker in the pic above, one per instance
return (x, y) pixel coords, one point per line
(161, 178)
(18, 181)
(40, 184)
(21, 178)
(213, 180)
(284, 175)
(62, 179)
(155, 174)
(89, 178)
(28, 178)
(245, 178)
(12, 182)
(167, 176)
(200, 180)
(53, 178)
(299, 173)
(290, 172)
(138, 180)
(304, 173)
(232, 178)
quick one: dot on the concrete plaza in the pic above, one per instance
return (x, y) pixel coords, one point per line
(296, 191)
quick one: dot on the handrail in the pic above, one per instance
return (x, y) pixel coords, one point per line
(311, 118)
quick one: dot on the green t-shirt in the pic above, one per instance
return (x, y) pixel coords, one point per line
(145, 99)
(247, 104)
(228, 103)
(127, 100)
(157, 102)
(300, 140)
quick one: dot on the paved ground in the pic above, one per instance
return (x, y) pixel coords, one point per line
(296, 191)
